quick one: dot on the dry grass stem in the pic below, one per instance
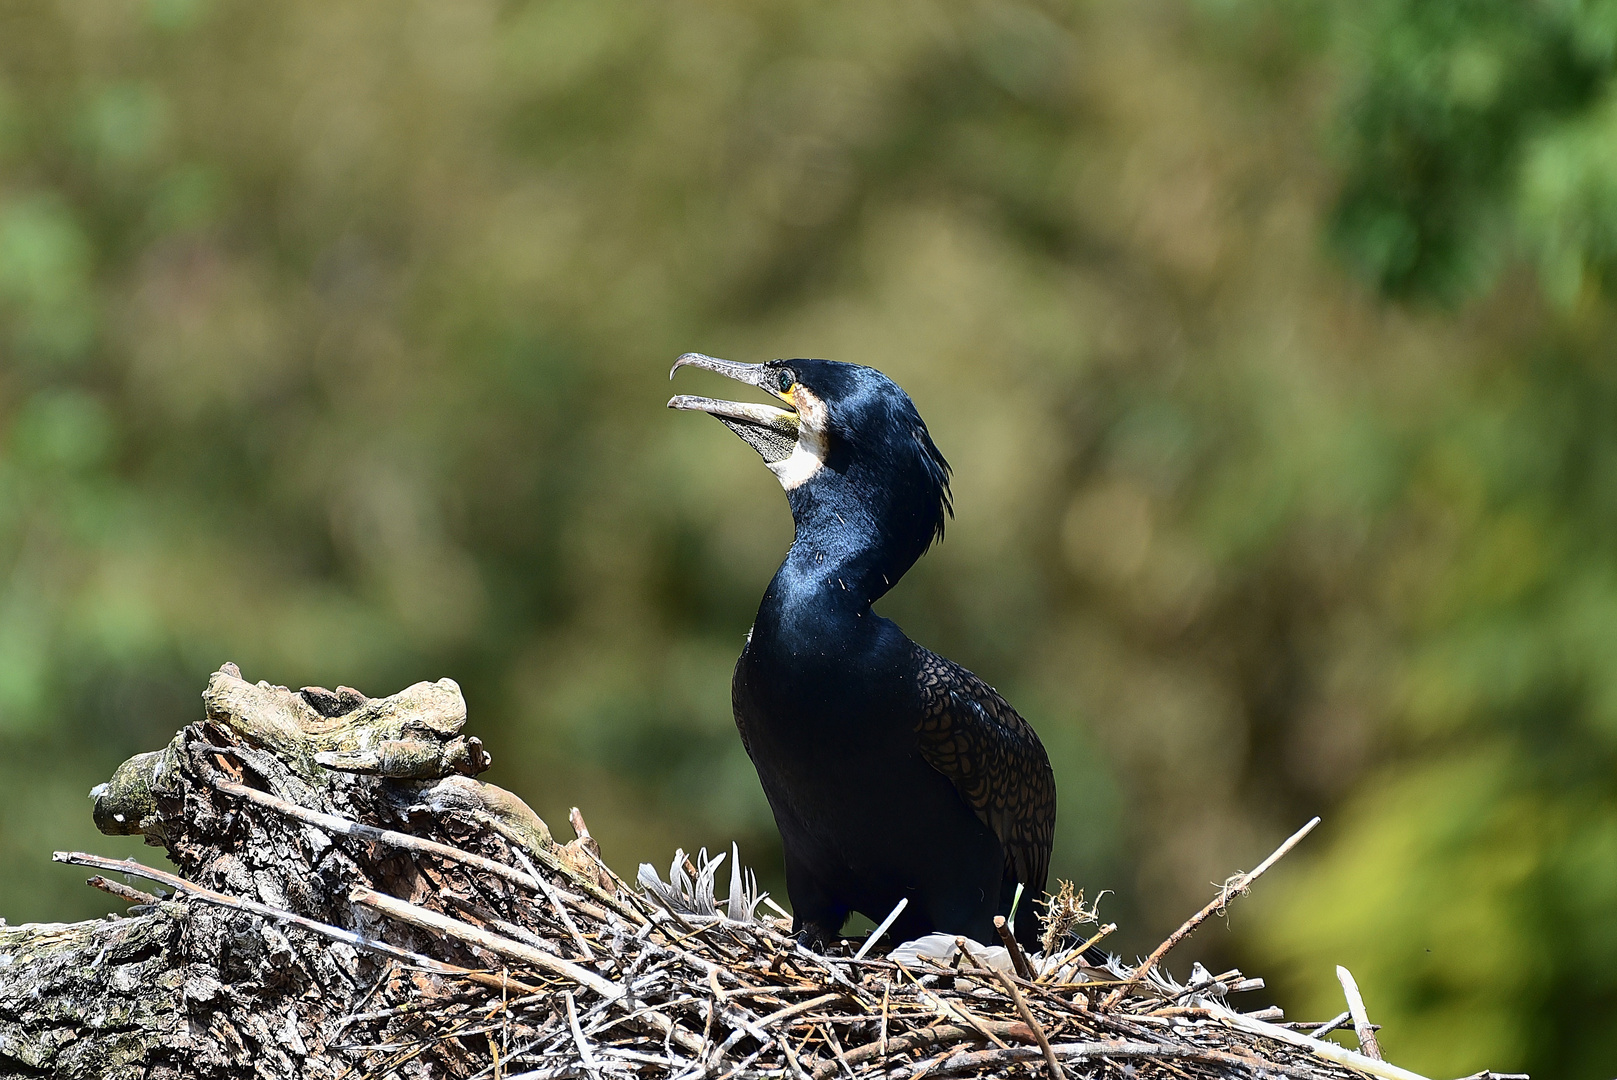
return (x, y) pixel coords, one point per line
(1235, 886)
(1361, 1018)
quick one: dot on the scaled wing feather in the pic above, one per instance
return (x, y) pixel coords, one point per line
(972, 735)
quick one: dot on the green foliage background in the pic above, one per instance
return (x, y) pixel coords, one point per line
(1272, 344)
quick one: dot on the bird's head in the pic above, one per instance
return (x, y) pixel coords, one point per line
(849, 448)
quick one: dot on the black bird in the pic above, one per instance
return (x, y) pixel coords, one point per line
(891, 771)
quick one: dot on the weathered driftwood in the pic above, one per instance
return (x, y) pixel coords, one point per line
(349, 901)
(191, 989)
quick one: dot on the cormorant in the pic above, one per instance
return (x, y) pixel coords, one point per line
(891, 771)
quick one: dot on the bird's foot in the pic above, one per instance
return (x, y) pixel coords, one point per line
(813, 936)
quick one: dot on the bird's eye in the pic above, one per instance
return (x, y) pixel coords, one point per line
(786, 381)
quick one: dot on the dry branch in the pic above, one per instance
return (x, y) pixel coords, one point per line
(1361, 1018)
(1235, 886)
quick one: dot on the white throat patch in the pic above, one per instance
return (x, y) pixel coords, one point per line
(805, 460)
(809, 455)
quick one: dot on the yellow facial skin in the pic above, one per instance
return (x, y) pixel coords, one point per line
(809, 455)
(811, 412)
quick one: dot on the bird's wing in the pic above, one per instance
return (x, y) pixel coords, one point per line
(971, 735)
(739, 703)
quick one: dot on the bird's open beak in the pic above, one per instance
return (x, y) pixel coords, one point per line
(770, 431)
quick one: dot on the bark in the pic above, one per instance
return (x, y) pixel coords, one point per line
(185, 988)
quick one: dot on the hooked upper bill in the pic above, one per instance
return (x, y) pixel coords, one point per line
(773, 432)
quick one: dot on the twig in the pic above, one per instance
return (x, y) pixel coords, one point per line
(516, 950)
(440, 923)
(927, 1036)
(551, 894)
(592, 848)
(423, 1046)
(335, 933)
(1076, 956)
(1228, 981)
(1320, 1048)
(1100, 935)
(959, 1011)
(1056, 1072)
(1008, 939)
(918, 1073)
(836, 1048)
(707, 1023)
(585, 1058)
(502, 926)
(791, 1012)
(1330, 1025)
(797, 1066)
(1089, 1051)
(120, 890)
(1361, 1019)
(875, 935)
(1234, 887)
(334, 823)
(885, 992)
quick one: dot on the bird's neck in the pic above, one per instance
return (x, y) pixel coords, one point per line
(844, 554)
(814, 586)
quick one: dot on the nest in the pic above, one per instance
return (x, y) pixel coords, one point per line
(443, 937)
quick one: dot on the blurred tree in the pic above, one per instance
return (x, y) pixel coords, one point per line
(1473, 879)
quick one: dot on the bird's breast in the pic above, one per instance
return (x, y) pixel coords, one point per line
(811, 706)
